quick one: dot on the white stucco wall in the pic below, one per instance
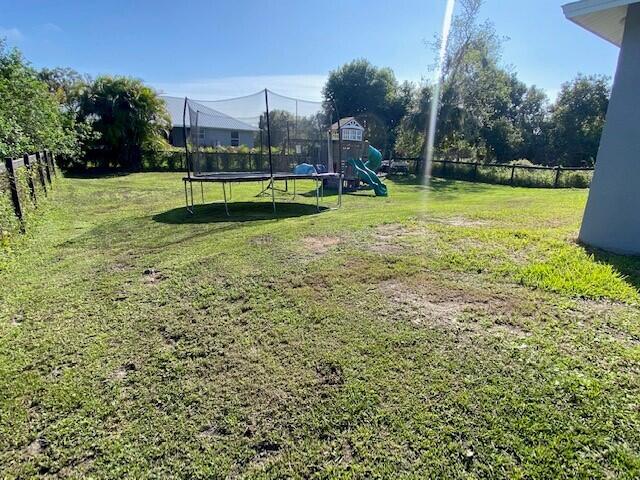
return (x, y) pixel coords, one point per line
(612, 216)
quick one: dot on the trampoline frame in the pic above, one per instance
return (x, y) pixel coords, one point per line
(242, 177)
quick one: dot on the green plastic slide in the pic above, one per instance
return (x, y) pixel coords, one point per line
(366, 171)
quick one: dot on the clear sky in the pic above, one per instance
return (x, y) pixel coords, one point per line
(218, 48)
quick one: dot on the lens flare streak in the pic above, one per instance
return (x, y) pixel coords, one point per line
(435, 98)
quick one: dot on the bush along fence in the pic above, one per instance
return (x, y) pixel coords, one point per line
(24, 182)
(171, 160)
(500, 173)
(505, 173)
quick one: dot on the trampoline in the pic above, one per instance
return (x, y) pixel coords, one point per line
(239, 177)
(263, 138)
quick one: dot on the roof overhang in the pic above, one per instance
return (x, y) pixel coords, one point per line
(605, 18)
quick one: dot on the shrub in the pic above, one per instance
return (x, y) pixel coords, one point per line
(128, 116)
(523, 177)
(30, 116)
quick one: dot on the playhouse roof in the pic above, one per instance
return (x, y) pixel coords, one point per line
(605, 18)
(347, 122)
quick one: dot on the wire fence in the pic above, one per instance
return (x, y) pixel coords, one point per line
(499, 173)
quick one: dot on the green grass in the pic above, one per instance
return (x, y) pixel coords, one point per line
(575, 273)
(457, 331)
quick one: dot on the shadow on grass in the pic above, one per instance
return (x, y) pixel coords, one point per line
(626, 265)
(95, 174)
(328, 193)
(238, 212)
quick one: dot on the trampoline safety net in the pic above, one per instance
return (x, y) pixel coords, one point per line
(260, 133)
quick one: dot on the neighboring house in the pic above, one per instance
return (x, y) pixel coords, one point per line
(215, 129)
(350, 128)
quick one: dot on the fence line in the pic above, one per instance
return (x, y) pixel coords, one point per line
(504, 173)
(41, 165)
(474, 166)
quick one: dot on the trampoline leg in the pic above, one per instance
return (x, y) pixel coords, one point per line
(224, 194)
(273, 197)
(193, 203)
(202, 191)
(294, 188)
(229, 190)
(317, 196)
(340, 192)
(186, 198)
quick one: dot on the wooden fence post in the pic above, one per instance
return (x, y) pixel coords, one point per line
(46, 167)
(513, 173)
(43, 182)
(52, 162)
(15, 192)
(475, 171)
(32, 187)
(555, 183)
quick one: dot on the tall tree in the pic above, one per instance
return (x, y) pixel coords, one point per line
(475, 91)
(532, 120)
(127, 115)
(410, 133)
(485, 111)
(65, 83)
(372, 94)
(578, 118)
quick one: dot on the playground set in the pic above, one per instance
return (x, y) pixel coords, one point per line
(348, 144)
(290, 139)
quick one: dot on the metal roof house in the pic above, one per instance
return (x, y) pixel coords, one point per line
(610, 219)
(218, 130)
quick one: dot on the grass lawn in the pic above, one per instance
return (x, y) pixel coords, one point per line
(453, 332)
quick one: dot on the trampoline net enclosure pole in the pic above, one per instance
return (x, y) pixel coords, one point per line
(273, 187)
(184, 138)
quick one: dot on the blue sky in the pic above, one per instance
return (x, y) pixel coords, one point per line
(213, 49)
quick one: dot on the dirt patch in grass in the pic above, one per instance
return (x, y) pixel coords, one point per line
(17, 319)
(78, 468)
(461, 222)
(319, 245)
(36, 447)
(427, 303)
(391, 238)
(152, 276)
(387, 238)
(122, 372)
(120, 267)
(329, 374)
(214, 431)
(392, 230)
(604, 317)
(346, 456)
(261, 240)
(266, 452)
